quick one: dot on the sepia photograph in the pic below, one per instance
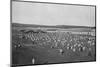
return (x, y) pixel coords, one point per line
(44, 33)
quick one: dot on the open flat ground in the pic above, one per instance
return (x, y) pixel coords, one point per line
(52, 45)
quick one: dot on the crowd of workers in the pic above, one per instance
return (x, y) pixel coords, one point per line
(60, 40)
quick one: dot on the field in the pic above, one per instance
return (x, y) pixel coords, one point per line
(49, 45)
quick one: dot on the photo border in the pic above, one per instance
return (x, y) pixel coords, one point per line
(57, 4)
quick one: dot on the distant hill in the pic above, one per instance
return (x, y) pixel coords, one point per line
(45, 26)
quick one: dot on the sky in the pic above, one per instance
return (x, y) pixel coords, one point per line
(52, 14)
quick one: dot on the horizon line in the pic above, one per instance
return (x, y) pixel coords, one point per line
(52, 25)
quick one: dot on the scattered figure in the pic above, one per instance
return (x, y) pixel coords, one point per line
(89, 54)
(80, 49)
(71, 47)
(74, 49)
(68, 44)
(61, 51)
(89, 42)
(84, 48)
(89, 49)
(68, 48)
(33, 61)
(79, 45)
